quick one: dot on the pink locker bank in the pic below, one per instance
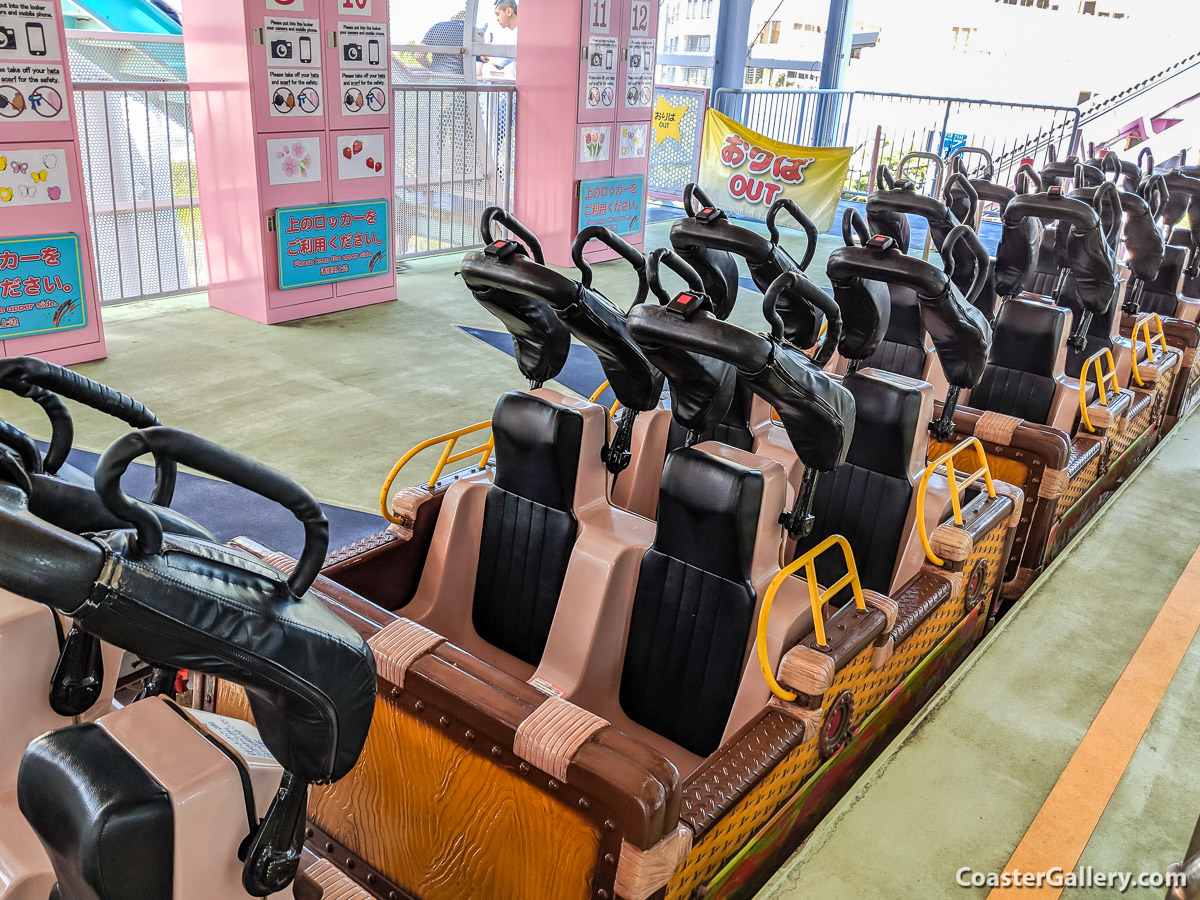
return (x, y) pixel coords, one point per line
(291, 104)
(595, 58)
(49, 303)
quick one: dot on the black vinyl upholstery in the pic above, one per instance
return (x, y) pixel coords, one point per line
(733, 429)
(107, 825)
(902, 349)
(867, 499)
(529, 527)
(1019, 377)
(694, 608)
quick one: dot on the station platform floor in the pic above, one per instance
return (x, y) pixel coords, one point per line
(1067, 740)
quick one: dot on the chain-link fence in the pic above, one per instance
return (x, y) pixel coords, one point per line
(454, 158)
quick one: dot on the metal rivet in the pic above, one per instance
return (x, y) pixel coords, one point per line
(328, 847)
(444, 721)
(583, 803)
(524, 768)
(610, 825)
(392, 895)
(308, 832)
(552, 784)
(349, 863)
(609, 859)
(602, 894)
(395, 692)
(470, 735)
(419, 706)
(497, 750)
(370, 879)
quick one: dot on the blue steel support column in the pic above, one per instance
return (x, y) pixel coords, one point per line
(733, 37)
(839, 35)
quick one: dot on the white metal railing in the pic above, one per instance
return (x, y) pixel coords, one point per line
(139, 172)
(454, 158)
(882, 127)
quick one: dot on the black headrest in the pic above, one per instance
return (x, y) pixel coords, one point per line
(1085, 249)
(884, 218)
(106, 824)
(708, 511)
(716, 267)
(1184, 192)
(540, 342)
(1017, 256)
(1027, 336)
(958, 330)
(1175, 258)
(887, 421)
(537, 449)
(817, 412)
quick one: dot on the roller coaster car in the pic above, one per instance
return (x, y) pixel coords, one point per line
(152, 800)
(1068, 442)
(572, 698)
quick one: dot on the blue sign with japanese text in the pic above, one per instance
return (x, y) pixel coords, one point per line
(618, 204)
(952, 143)
(41, 285)
(332, 242)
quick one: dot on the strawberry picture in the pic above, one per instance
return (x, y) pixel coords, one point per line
(357, 147)
(378, 167)
(346, 152)
(370, 162)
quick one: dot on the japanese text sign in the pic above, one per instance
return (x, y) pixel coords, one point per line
(618, 204)
(41, 286)
(745, 172)
(332, 242)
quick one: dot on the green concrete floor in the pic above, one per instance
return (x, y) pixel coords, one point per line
(962, 784)
(335, 400)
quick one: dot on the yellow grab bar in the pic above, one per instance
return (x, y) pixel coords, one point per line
(1143, 327)
(448, 456)
(947, 460)
(816, 597)
(1093, 363)
(596, 396)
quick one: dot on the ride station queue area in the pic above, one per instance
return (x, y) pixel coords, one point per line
(437, 465)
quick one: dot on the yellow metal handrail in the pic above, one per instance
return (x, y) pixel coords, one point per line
(816, 597)
(1143, 326)
(448, 456)
(596, 396)
(1093, 362)
(947, 460)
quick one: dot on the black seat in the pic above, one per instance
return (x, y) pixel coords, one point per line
(867, 499)
(902, 349)
(1019, 379)
(694, 607)
(106, 824)
(529, 527)
(1160, 294)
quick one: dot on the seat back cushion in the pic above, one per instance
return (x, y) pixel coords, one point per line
(694, 608)
(529, 526)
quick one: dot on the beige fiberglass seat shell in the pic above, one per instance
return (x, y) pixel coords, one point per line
(444, 596)
(28, 655)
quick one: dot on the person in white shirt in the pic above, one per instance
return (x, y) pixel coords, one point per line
(506, 18)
